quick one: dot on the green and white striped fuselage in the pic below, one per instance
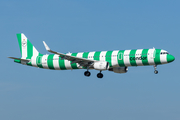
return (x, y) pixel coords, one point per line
(117, 58)
(117, 61)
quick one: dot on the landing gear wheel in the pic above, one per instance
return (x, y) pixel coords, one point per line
(156, 72)
(87, 73)
(100, 75)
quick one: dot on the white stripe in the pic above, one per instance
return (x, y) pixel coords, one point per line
(114, 58)
(68, 63)
(44, 61)
(150, 57)
(24, 46)
(102, 56)
(126, 58)
(138, 54)
(163, 57)
(91, 54)
(56, 62)
(33, 59)
(35, 52)
(80, 55)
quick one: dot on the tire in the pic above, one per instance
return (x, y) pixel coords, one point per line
(100, 75)
(87, 73)
(156, 72)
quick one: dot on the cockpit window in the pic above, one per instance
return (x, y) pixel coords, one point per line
(164, 53)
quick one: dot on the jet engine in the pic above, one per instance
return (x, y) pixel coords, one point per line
(119, 69)
(101, 65)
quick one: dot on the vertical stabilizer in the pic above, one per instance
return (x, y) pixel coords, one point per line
(26, 48)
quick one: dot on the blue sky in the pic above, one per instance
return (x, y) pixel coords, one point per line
(28, 93)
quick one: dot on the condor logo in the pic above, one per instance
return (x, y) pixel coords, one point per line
(24, 43)
(138, 58)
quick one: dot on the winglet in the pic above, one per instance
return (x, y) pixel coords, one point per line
(46, 46)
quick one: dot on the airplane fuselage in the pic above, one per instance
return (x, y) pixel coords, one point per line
(117, 58)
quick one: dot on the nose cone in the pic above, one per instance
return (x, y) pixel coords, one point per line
(170, 58)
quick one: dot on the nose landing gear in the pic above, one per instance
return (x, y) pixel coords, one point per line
(155, 71)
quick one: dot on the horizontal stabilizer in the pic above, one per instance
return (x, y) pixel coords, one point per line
(24, 60)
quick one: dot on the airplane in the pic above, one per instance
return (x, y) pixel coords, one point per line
(116, 61)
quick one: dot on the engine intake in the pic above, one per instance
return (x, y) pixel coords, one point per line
(119, 69)
(101, 65)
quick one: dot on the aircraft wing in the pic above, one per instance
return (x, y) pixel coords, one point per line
(82, 61)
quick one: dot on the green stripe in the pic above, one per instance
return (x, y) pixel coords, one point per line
(19, 41)
(62, 64)
(97, 56)
(121, 61)
(108, 57)
(74, 65)
(39, 61)
(29, 63)
(85, 55)
(50, 62)
(29, 52)
(157, 57)
(132, 58)
(17, 61)
(145, 54)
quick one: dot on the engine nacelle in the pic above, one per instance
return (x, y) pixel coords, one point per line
(119, 69)
(101, 65)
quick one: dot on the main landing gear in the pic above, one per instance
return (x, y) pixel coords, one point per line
(87, 73)
(155, 71)
(100, 75)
